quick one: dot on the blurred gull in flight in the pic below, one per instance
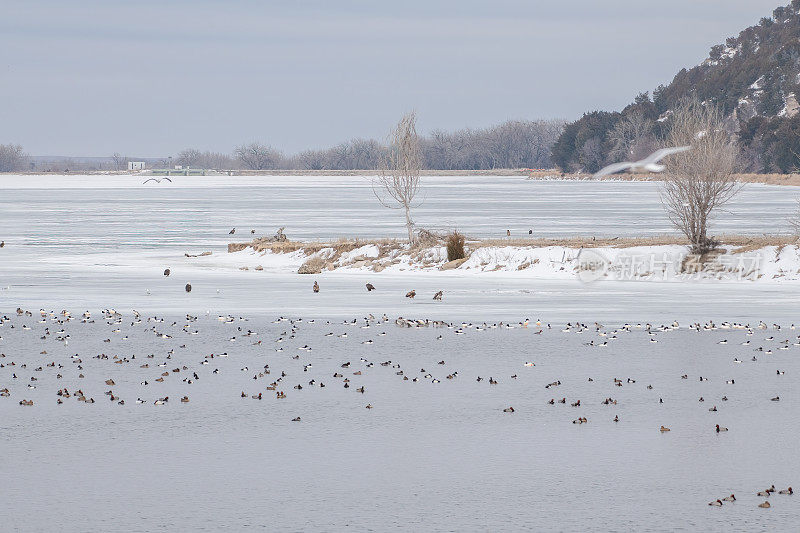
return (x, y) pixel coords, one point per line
(648, 164)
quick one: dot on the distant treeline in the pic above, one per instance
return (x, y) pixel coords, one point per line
(513, 144)
(11, 157)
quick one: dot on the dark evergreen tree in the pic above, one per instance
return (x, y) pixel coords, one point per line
(757, 71)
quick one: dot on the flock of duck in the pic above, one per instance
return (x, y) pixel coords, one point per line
(286, 364)
(762, 493)
(115, 320)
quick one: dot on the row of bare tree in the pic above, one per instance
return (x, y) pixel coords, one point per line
(12, 157)
(696, 184)
(513, 144)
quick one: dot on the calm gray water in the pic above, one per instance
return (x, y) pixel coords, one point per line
(428, 456)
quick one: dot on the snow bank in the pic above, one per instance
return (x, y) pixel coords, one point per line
(369, 251)
(641, 263)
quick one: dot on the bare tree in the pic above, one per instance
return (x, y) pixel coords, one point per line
(591, 156)
(366, 154)
(632, 138)
(218, 161)
(120, 162)
(311, 160)
(197, 159)
(436, 149)
(255, 156)
(513, 144)
(699, 181)
(189, 158)
(398, 183)
(11, 157)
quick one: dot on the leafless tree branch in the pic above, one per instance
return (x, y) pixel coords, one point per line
(399, 181)
(699, 181)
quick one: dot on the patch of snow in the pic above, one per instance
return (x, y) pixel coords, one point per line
(249, 259)
(666, 263)
(730, 52)
(791, 106)
(369, 251)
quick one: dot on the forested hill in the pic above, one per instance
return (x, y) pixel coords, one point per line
(755, 80)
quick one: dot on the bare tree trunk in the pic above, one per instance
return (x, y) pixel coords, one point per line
(120, 162)
(409, 225)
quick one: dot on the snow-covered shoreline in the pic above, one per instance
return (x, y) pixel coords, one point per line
(645, 263)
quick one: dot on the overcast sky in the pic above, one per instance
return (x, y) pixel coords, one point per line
(149, 78)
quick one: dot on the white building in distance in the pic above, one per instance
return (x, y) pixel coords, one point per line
(135, 165)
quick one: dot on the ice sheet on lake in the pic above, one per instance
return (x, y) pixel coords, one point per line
(103, 241)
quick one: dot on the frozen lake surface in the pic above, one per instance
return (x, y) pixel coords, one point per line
(96, 212)
(101, 241)
(432, 454)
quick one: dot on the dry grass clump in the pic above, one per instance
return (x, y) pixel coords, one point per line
(770, 179)
(767, 179)
(429, 238)
(749, 244)
(339, 246)
(455, 246)
(313, 265)
(581, 242)
(695, 263)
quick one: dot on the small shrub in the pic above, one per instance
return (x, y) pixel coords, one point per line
(313, 265)
(704, 246)
(455, 246)
(429, 238)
